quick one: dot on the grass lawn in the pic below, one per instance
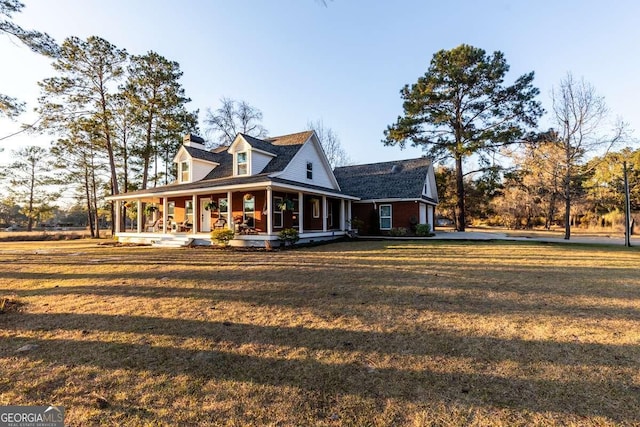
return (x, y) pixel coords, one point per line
(357, 333)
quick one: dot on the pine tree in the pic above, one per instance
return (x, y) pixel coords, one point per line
(461, 107)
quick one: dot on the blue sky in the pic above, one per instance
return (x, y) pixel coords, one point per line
(297, 60)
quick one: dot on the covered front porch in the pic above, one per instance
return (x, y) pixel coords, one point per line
(256, 215)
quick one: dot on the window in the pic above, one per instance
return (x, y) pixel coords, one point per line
(277, 212)
(315, 206)
(249, 204)
(295, 218)
(188, 211)
(309, 170)
(385, 217)
(223, 205)
(184, 172)
(330, 214)
(242, 164)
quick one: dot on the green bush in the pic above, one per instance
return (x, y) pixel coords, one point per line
(357, 224)
(423, 229)
(289, 236)
(398, 232)
(222, 235)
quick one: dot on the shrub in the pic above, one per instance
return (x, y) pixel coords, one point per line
(222, 236)
(357, 224)
(289, 236)
(398, 232)
(423, 229)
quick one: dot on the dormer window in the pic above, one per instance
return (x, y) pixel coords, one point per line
(184, 172)
(309, 170)
(242, 166)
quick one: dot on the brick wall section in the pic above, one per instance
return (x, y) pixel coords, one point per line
(401, 213)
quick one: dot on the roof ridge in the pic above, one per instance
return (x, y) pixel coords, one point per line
(289, 134)
(382, 163)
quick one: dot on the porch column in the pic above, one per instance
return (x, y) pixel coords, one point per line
(139, 217)
(349, 214)
(324, 213)
(342, 223)
(300, 212)
(269, 211)
(117, 211)
(230, 223)
(165, 217)
(430, 216)
(195, 219)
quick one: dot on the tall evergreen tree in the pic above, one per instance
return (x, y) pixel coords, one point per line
(89, 72)
(157, 102)
(29, 180)
(461, 107)
(81, 162)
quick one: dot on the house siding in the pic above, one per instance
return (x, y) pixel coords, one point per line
(311, 223)
(237, 208)
(289, 218)
(200, 169)
(258, 162)
(297, 169)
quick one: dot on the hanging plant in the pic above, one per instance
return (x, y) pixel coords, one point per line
(211, 206)
(248, 196)
(286, 205)
(149, 209)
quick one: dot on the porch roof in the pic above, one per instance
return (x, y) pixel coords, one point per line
(229, 184)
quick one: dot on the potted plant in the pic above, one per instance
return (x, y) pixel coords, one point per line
(211, 206)
(288, 236)
(248, 196)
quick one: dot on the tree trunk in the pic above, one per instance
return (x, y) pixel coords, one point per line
(567, 207)
(460, 211)
(87, 193)
(94, 190)
(32, 185)
(551, 212)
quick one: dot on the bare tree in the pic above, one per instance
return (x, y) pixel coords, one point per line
(233, 117)
(331, 145)
(579, 114)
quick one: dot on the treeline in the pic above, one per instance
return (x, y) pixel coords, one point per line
(530, 193)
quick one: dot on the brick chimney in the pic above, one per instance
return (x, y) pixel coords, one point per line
(191, 140)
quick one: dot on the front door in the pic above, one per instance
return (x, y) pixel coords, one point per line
(205, 216)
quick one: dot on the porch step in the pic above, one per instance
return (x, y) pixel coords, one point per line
(172, 242)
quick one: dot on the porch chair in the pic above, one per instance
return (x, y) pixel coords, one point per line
(155, 226)
(220, 223)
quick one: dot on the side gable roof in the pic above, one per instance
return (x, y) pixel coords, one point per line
(257, 143)
(402, 179)
(205, 155)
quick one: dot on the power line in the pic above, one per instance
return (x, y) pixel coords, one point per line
(25, 128)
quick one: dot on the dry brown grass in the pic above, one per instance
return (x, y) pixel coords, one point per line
(363, 333)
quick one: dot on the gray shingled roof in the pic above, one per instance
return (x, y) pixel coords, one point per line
(197, 153)
(283, 153)
(221, 182)
(291, 139)
(402, 179)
